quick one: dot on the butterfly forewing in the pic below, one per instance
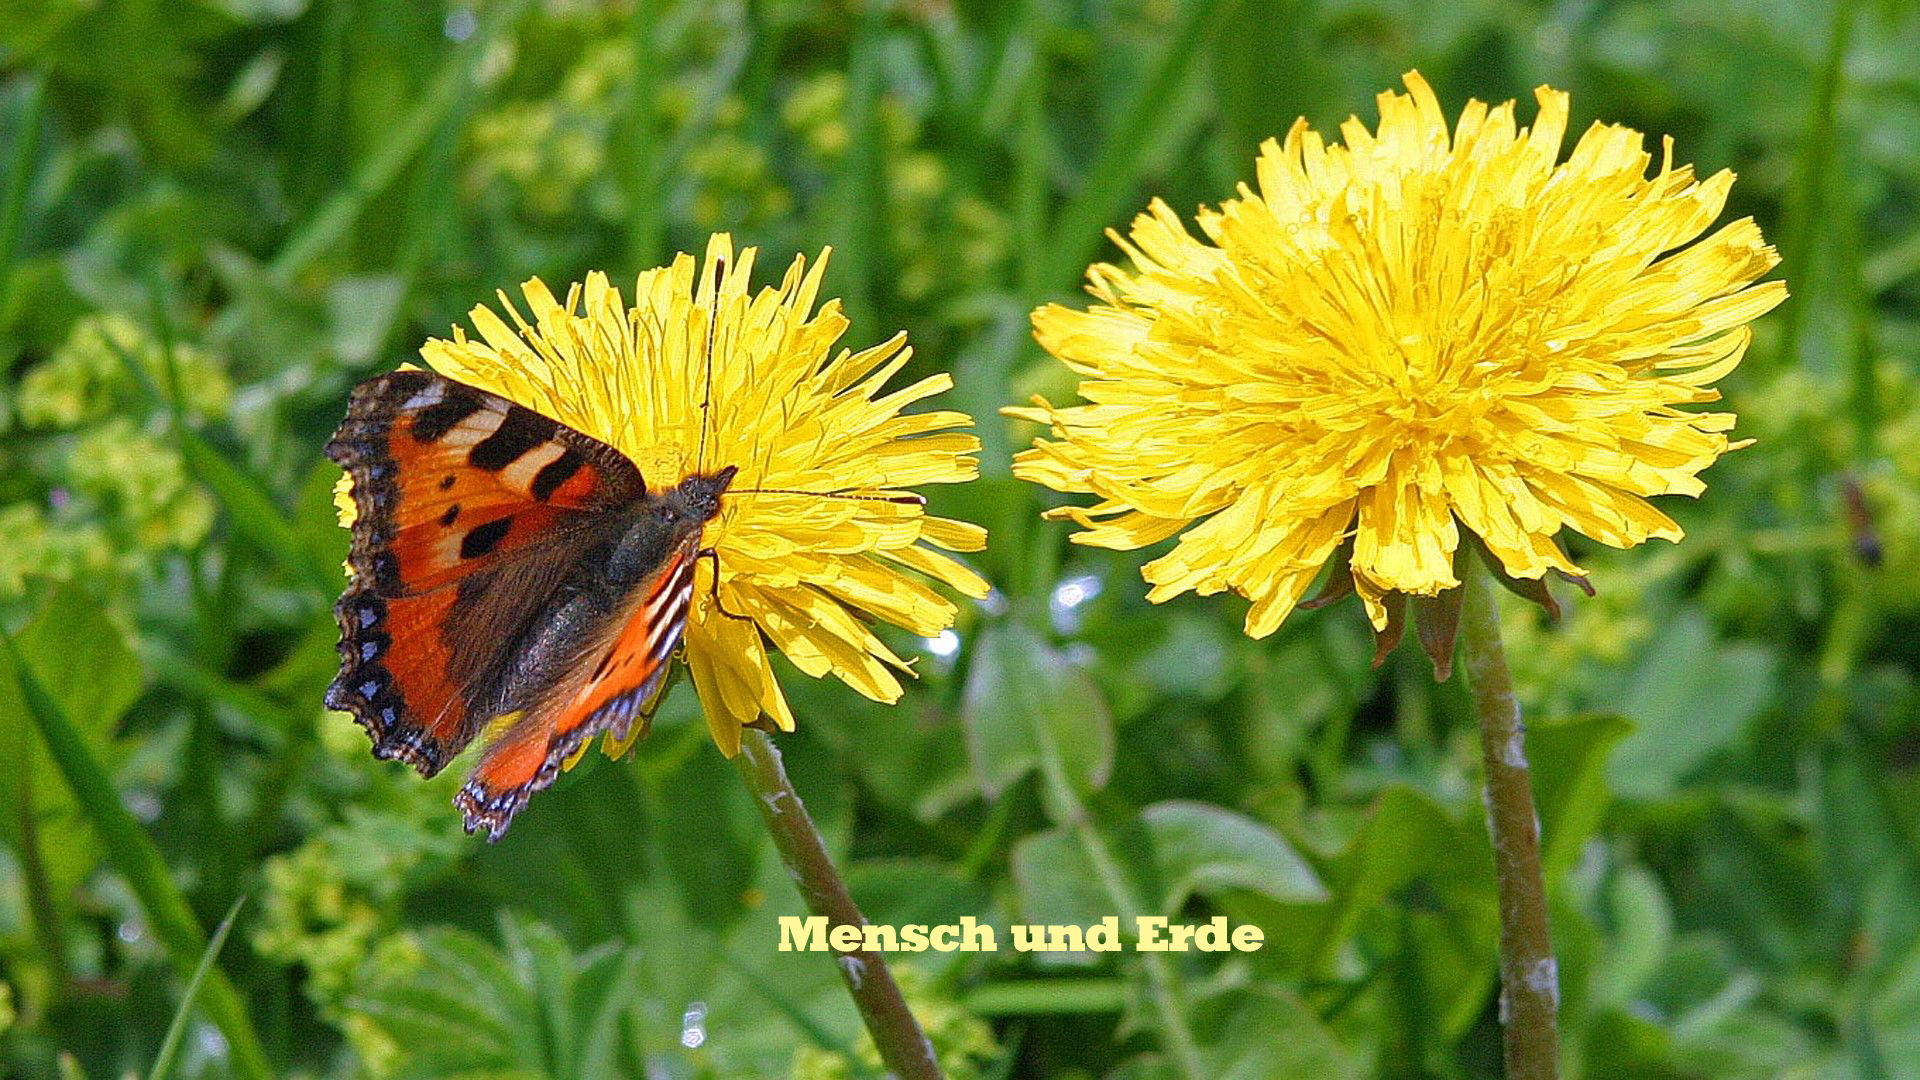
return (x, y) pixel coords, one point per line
(503, 564)
(469, 511)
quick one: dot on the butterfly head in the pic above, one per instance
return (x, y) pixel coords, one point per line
(697, 500)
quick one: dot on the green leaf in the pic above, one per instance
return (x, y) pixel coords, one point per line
(900, 891)
(1027, 707)
(360, 311)
(1642, 930)
(1569, 763)
(1417, 887)
(254, 513)
(399, 143)
(1042, 997)
(1895, 1007)
(24, 144)
(1265, 1031)
(1195, 657)
(1056, 881)
(82, 661)
(1205, 849)
(1690, 698)
(712, 863)
(1407, 837)
(1256, 41)
(532, 1008)
(918, 769)
(784, 1002)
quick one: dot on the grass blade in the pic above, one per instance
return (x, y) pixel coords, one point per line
(402, 143)
(1892, 264)
(859, 223)
(1109, 186)
(178, 673)
(1809, 198)
(42, 912)
(133, 854)
(254, 513)
(170, 1046)
(816, 1034)
(19, 177)
(1030, 190)
(646, 216)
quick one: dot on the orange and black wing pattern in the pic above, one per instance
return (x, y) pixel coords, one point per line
(617, 684)
(470, 511)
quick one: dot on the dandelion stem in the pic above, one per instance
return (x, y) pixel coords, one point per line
(1529, 976)
(903, 1046)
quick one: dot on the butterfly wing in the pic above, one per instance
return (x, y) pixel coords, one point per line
(470, 512)
(616, 683)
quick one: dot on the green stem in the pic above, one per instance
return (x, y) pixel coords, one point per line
(1529, 975)
(170, 1045)
(1163, 986)
(896, 1034)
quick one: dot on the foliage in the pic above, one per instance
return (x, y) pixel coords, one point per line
(215, 217)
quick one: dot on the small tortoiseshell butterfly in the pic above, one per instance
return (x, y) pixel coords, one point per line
(503, 563)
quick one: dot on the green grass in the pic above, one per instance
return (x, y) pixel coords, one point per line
(215, 218)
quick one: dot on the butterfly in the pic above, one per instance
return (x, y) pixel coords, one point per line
(504, 566)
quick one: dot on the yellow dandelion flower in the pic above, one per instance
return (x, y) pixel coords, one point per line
(1396, 339)
(809, 573)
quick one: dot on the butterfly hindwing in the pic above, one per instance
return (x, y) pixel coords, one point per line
(615, 685)
(470, 512)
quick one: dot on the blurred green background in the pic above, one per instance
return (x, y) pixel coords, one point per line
(216, 216)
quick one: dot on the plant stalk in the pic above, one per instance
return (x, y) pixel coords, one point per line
(903, 1046)
(1529, 975)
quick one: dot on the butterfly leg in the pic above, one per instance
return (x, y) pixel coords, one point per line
(714, 557)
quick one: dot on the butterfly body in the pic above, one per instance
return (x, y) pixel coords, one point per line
(504, 565)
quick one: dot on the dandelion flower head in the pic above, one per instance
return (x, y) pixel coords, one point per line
(700, 373)
(1389, 341)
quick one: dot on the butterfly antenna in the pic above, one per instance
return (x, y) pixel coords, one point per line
(908, 499)
(706, 402)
